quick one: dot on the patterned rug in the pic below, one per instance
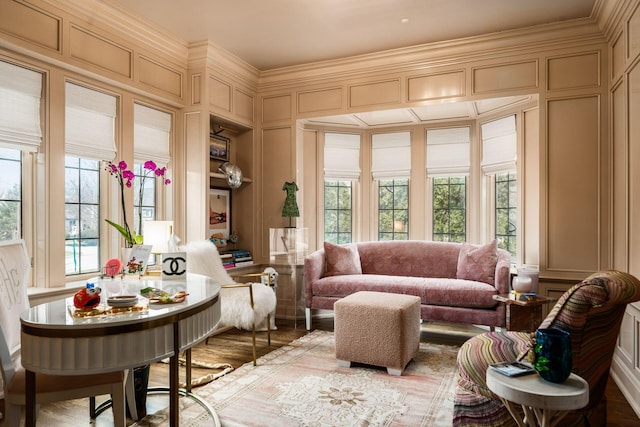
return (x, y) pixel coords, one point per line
(301, 385)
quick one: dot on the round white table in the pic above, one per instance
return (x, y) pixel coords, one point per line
(544, 403)
(56, 342)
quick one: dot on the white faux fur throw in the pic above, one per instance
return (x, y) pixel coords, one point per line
(203, 258)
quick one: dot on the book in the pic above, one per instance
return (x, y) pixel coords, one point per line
(243, 263)
(518, 296)
(513, 369)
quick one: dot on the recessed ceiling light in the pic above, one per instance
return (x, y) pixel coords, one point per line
(404, 20)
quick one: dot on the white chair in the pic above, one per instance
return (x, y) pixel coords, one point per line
(239, 308)
(14, 271)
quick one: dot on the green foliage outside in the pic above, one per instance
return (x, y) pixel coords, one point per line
(506, 219)
(449, 209)
(393, 209)
(338, 220)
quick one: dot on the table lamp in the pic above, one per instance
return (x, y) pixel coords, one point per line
(157, 234)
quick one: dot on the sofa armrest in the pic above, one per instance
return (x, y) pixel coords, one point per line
(502, 274)
(314, 269)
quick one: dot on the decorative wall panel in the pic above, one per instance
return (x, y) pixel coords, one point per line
(633, 32)
(276, 108)
(244, 106)
(634, 172)
(196, 88)
(320, 100)
(31, 24)
(99, 51)
(219, 94)
(573, 185)
(620, 170)
(158, 76)
(498, 78)
(574, 71)
(618, 56)
(436, 86)
(378, 93)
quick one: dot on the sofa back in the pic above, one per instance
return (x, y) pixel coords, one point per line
(413, 258)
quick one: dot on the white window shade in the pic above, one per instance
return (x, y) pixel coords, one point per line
(341, 156)
(20, 91)
(89, 123)
(151, 135)
(448, 151)
(499, 142)
(391, 155)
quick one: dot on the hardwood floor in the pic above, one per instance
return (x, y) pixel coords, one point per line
(234, 347)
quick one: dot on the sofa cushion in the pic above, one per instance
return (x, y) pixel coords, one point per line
(478, 263)
(342, 259)
(432, 291)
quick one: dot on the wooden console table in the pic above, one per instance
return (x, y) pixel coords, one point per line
(524, 315)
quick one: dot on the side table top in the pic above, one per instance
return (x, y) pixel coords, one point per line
(532, 390)
(539, 300)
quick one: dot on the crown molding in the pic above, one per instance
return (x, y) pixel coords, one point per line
(208, 54)
(477, 48)
(609, 15)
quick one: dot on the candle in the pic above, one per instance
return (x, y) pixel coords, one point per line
(521, 284)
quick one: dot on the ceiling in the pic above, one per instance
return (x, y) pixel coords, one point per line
(271, 34)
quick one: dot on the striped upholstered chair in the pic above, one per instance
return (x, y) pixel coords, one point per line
(591, 311)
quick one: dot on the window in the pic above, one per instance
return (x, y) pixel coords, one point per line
(145, 209)
(448, 162)
(499, 144)
(89, 139)
(20, 133)
(341, 171)
(338, 211)
(151, 141)
(10, 194)
(449, 209)
(393, 209)
(391, 168)
(505, 215)
(82, 215)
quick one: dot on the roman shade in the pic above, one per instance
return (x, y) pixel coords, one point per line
(448, 151)
(89, 123)
(151, 135)
(20, 91)
(391, 155)
(341, 156)
(499, 142)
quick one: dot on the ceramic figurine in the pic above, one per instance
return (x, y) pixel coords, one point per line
(87, 298)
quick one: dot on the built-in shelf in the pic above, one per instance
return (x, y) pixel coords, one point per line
(222, 176)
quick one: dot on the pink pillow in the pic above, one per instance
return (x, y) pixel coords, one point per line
(478, 263)
(342, 259)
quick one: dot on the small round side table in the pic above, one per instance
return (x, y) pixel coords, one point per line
(544, 403)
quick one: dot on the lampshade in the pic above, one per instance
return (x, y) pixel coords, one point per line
(232, 173)
(157, 234)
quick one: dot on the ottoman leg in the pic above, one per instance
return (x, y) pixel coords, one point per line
(392, 371)
(344, 363)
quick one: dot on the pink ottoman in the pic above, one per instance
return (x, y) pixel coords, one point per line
(377, 328)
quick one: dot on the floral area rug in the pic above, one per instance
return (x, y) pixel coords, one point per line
(301, 385)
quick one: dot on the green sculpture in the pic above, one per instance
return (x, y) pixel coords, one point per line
(290, 207)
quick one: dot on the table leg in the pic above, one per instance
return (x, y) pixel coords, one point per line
(174, 416)
(30, 398)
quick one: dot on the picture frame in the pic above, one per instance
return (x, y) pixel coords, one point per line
(219, 148)
(219, 212)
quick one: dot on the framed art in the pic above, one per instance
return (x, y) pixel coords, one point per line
(219, 148)
(220, 212)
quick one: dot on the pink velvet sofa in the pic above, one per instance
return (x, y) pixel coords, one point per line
(455, 281)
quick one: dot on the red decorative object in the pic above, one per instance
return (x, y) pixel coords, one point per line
(112, 267)
(87, 298)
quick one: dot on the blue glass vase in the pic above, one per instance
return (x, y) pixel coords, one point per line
(553, 357)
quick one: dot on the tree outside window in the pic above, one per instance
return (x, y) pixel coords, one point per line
(393, 209)
(338, 211)
(449, 209)
(506, 212)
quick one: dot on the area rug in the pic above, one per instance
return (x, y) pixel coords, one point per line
(301, 385)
